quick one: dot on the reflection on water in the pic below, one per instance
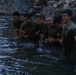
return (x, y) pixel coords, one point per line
(28, 58)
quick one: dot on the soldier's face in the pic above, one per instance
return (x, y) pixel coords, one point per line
(48, 20)
(26, 19)
(58, 26)
(65, 18)
(39, 21)
(15, 18)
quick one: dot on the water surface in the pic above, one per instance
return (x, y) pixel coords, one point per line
(26, 58)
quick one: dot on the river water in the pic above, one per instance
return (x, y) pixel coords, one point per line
(19, 58)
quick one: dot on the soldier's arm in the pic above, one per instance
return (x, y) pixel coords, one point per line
(22, 31)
